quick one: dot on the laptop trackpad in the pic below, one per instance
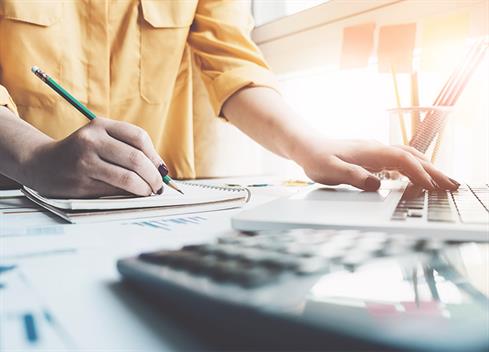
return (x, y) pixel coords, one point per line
(342, 194)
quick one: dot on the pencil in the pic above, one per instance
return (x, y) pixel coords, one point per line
(415, 119)
(438, 143)
(169, 182)
(83, 109)
(61, 91)
(398, 102)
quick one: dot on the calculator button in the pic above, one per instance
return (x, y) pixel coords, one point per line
(356, 257)
(311, 266)
(255, 277)
(159, 257)
(226, 270)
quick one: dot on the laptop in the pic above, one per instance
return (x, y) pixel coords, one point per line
(462, 215)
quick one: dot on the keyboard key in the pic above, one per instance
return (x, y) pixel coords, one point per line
(414, 213)
(407, 206)
(398, 215)
(440, 216)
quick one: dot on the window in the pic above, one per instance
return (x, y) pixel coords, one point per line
(304, 48)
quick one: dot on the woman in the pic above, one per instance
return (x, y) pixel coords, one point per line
(137, 61)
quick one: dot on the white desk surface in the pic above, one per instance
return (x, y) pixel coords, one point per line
(65, 276)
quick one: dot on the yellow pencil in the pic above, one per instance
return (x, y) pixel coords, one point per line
(398, 102)
(438, 143)
(415, 119)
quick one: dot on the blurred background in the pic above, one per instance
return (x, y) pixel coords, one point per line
(329, 56)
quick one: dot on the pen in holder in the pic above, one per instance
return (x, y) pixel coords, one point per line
(428, 136)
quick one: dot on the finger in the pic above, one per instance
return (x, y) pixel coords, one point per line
(407, 164)
(91, 188)
(138, 138)
(444, 182)
(122, 178)
(119, 153)
(101, 189)
(343, 172)
(413, 151)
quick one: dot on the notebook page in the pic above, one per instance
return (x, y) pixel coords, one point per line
(193, 194)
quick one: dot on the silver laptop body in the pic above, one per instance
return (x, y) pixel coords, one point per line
(395, 208)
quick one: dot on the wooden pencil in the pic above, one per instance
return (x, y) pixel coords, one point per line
(398, 103)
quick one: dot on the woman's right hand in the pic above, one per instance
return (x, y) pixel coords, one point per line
(105, 157)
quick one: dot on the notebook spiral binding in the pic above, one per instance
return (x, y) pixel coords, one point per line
(220, 188)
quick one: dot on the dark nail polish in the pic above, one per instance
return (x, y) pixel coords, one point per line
(163, 170)
(372, 184)
(454, 182)
(160, 191)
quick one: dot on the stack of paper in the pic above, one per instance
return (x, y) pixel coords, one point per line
(196, 198)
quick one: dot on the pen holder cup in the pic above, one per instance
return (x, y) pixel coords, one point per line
(404, 122)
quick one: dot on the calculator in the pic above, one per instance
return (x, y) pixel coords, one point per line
(322, 289)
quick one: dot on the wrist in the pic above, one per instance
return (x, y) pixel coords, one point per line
(304, 145)
(19, 146)
(32, 161)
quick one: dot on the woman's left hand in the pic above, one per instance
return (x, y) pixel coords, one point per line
(333, 162)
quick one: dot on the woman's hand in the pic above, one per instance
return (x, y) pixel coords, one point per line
(263, 115)
(332, 162)
(105, 157)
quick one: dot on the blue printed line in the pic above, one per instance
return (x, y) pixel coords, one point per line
(30, 328)
(166, 224)
(5, 268)
(148, 223)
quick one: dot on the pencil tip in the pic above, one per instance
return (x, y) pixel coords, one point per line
(180, 191)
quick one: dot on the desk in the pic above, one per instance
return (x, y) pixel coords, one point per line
(65, 277)
(59, 288)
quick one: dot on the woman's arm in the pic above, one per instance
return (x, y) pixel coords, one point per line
(262, 114)
(104, 157)
(18, 140)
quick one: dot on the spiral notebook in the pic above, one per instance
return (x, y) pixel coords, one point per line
(196, 198)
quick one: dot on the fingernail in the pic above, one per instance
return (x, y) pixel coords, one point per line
(160, 191)
(372, 184)
(163, 170)
(454, 182)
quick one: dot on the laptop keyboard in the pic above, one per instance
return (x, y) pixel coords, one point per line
(469, 204)
(264, 258)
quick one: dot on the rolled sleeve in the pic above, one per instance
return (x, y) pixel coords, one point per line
(229, 82)
(6, 100)
(220, 38)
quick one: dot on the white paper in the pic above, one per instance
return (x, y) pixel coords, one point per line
(71, 270)
(19, 300)
(11, 193)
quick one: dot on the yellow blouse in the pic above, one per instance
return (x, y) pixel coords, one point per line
(148, 62)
